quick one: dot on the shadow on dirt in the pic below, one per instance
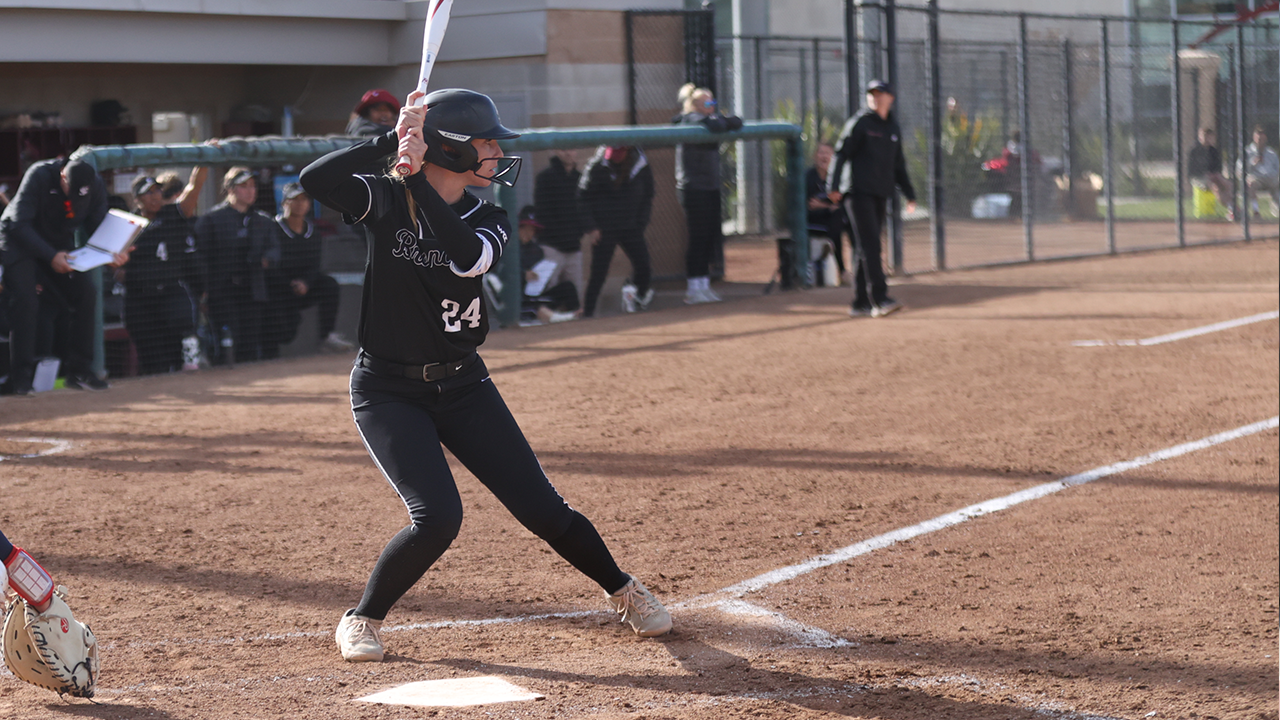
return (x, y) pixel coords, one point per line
(888, 677)
(107, 711)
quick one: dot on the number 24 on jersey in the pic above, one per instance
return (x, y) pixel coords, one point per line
(451, 308)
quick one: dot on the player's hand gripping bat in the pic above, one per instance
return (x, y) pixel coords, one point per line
(432, 34)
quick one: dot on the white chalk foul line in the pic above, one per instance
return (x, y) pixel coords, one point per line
(774, 577)
(718, 598)
(1182, 334)
(57, 446)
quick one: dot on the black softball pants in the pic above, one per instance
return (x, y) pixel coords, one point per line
(405, 422)
(157, 322)
(28, 322)
(637, 251)
(866, 217)
(702, 218)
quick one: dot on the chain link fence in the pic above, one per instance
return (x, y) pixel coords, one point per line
(1089, 100)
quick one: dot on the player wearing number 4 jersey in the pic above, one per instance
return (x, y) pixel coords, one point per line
(418, 383)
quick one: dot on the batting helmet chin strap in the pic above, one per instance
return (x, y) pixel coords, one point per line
(455, 153)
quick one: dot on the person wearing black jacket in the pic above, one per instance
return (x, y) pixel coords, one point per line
(617, 192)
(238, 244)
(296, 282)
(37, 230)
(562, 227)
(162, 274)
(698, 184)
(868, 164)
(418, 382)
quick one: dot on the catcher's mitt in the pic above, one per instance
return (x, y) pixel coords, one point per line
(50, 649)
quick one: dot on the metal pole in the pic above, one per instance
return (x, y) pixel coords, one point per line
(817, 90)
(709, 44)
(1178, 171)
(1135, 85)
(851, 57)
(937, 227)
(1068, 147)
(804, 90)
(1024, 124)
(1004, 93)
(796, 203)
(1195, 100)
(509, 272)
(759, 149)
(1108, 140)
(1242, 124)
(633, 116)
(891, 76)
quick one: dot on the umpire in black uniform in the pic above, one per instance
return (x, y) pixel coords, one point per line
(868, 164)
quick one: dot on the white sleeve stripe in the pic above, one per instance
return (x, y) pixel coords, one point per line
(491, 233)
(369, 189)
(482, 265)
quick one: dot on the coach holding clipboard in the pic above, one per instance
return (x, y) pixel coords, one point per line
(55, 199)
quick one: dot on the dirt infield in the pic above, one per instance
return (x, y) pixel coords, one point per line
(212, 528)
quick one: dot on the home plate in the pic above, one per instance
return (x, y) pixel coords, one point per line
(462, 692)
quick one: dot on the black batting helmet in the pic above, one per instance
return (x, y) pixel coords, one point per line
(454, 118)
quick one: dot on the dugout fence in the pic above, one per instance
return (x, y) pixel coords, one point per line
(297, 152)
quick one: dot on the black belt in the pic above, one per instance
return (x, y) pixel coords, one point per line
(425, 373)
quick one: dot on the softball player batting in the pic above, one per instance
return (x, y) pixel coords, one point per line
(418, 382)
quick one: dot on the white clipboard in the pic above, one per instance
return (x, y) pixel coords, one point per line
(543, 271)
(115, 235)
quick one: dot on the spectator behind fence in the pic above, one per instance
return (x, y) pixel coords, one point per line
(563, 228)
(1007, 171)
(698, 183)
(374, 115)
(161, 277)
(542, 300)
(237, 244)
(1204, 168)
(617, 192)
(1264, 172)
(869, 163)
(297, 283)
(825, 217)
(37, 230)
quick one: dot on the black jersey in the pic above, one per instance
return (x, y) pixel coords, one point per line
(163, 255)
(422, 297)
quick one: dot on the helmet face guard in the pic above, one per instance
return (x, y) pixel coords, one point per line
(456, 154)
(502, 170)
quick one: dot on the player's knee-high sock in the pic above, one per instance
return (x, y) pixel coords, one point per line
(583, 547)
(403, 562)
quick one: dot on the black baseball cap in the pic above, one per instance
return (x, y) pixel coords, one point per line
(144, 184)
(80, 175)
(292, 190)
(879, 86)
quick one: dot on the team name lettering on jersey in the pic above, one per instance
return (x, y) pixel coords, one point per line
(408, 250)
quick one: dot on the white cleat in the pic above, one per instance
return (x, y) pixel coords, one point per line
(358, 638)
(641, 610)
